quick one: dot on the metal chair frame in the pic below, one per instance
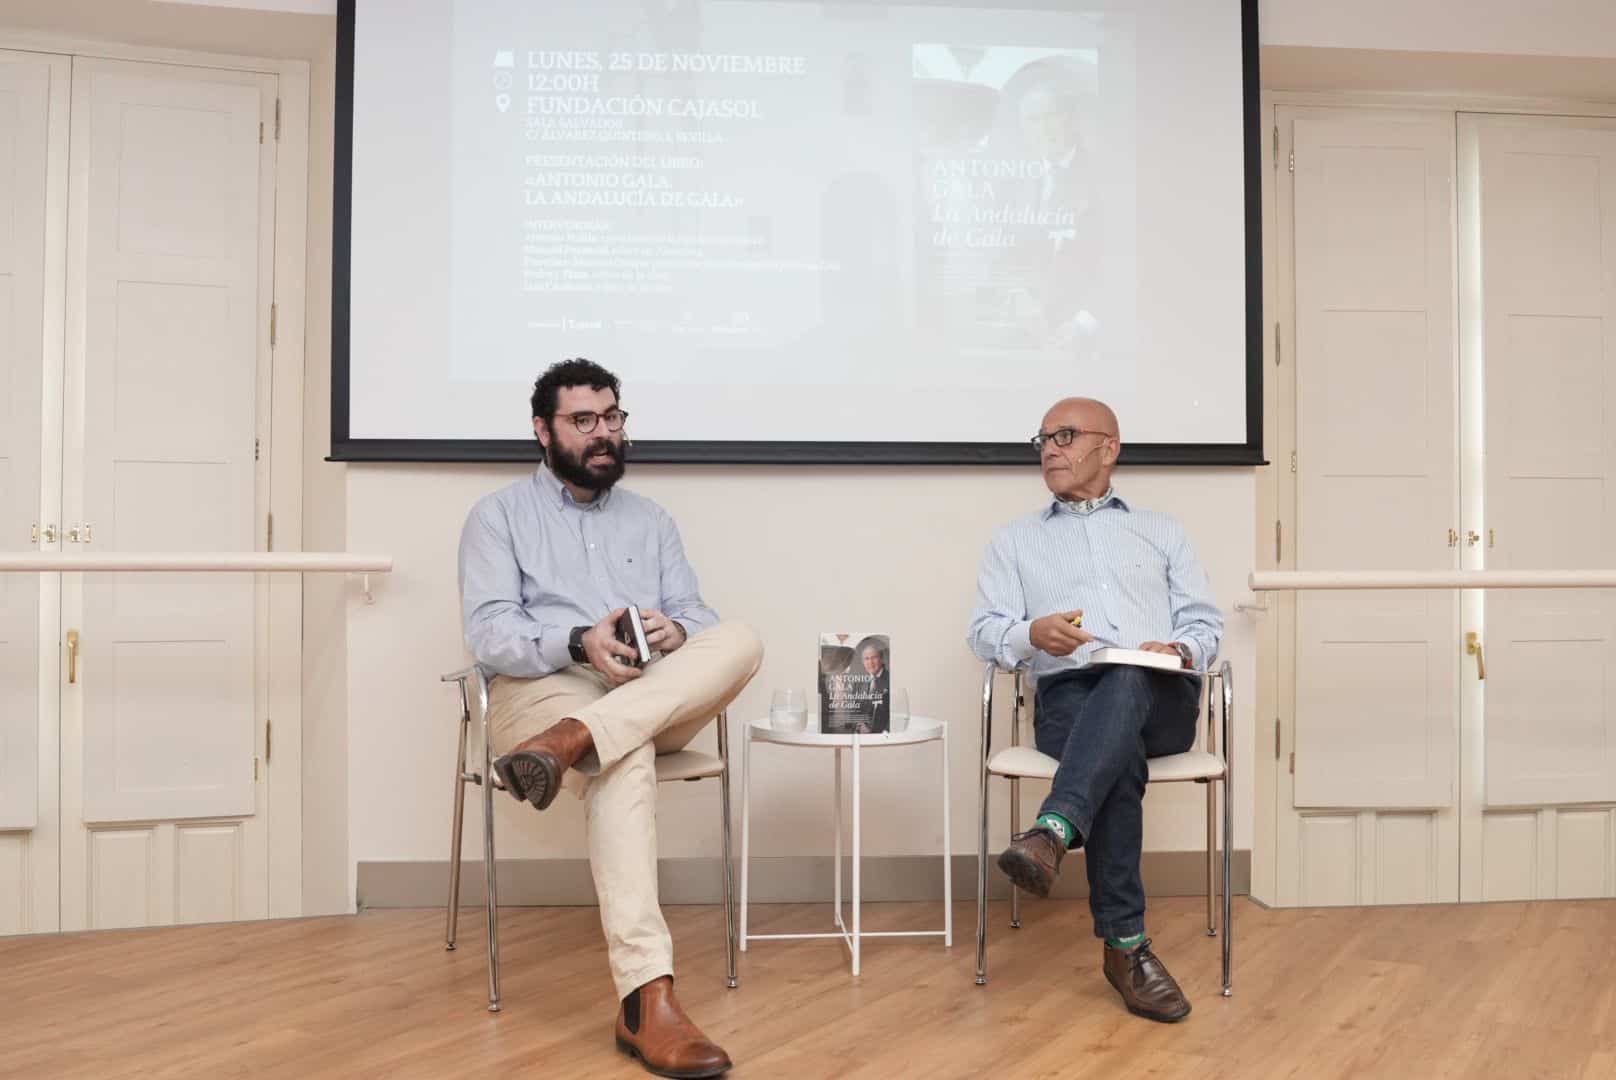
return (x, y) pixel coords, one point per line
(479, 689)
(1220, 688)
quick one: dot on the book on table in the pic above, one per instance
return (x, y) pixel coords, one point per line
(855, 683)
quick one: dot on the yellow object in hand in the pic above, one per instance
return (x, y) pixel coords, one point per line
(1078, 622)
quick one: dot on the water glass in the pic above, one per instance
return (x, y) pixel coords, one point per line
(788, 710)
(900, 710)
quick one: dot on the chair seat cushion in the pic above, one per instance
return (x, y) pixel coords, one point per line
(1022, 761)
(687, 765)
(1192, 765)
(1027, 763)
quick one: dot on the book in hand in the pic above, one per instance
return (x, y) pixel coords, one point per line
(855, 683)
(631, 632)
(1138, 658)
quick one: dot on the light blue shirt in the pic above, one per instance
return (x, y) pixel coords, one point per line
(1131, 572)
(535, 562)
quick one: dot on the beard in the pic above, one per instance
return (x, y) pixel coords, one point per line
(575, 469)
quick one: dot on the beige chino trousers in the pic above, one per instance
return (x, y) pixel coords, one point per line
(658, 713)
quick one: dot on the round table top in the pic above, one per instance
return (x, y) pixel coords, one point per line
(921, 729)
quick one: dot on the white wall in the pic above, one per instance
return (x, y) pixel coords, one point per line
(1543, 27)
(905, 562)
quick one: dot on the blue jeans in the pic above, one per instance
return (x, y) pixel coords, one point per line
(1102, 723)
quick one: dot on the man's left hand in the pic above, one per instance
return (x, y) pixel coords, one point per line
(1162, 647)
(661, 633)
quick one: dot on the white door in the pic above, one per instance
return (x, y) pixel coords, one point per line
(170, 225)
(1371, 815)
(1543, 190)
(33, 114)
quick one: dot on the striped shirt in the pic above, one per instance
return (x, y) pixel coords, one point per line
(534, 563)
(1131, 572)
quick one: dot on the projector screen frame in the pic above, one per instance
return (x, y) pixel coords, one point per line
(346, 448)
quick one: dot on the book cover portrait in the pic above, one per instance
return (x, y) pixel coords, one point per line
(855, 683)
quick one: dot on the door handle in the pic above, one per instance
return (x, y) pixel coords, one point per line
(72, 656)
(1473, 648)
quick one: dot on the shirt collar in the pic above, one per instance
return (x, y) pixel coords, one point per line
(552, 488)
(1085, 507)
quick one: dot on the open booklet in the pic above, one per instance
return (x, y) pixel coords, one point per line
(1141, 658)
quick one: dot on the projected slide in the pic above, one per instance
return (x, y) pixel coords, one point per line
(703, 208)
(795, 221)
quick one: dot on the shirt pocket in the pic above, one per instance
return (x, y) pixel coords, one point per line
(636, 568)
(1143, 576)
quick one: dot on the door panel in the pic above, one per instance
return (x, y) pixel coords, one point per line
(1376, 717)
(172, 214)
(1547, 202)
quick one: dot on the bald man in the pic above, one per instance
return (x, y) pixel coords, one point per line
(1085, 571)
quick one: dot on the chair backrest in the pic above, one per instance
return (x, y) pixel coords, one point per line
(1215, 686)
(473, 685)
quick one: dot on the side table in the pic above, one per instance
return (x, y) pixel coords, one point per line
(921, 729)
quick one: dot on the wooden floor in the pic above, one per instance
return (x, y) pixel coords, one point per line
(1506, 990)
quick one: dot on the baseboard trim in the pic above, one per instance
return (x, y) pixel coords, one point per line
(780, 880)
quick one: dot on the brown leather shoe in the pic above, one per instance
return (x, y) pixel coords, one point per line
(1033, 860)
(652, 1027)
(532, 770)
(1146, 987)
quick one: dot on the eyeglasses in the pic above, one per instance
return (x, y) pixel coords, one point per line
(585, 421)
(1064, 437)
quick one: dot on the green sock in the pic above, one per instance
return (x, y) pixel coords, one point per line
(1125, 942)
(1059, 826)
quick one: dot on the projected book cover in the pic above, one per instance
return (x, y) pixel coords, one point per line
(1010, 243)
(855, 683)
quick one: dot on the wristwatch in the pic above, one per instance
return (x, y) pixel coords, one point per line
(575, 644)
(1185, 654)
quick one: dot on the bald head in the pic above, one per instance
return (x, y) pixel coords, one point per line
(1082, 469)
(1085, 414)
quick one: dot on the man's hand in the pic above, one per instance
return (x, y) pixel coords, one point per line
(1157, 646)
(1055, 634)
(661, 633)
(604, 650)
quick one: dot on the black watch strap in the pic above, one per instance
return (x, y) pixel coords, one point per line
(575, 644)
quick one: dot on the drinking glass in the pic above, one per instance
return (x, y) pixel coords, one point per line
(900, 710)
(788, 710)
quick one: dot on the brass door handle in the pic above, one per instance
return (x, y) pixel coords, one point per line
(72, 656)
(1473, 648)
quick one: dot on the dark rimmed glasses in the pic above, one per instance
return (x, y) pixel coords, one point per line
(1064, 437)
(585, 421)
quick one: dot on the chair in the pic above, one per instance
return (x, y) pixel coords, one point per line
(688, 765)
(1205, 766)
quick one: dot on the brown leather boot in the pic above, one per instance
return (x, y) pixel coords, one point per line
(1146, 987)
(652, 1027)
(1033, 860)
(533, 768)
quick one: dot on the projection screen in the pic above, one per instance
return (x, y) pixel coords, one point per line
(800, 232)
